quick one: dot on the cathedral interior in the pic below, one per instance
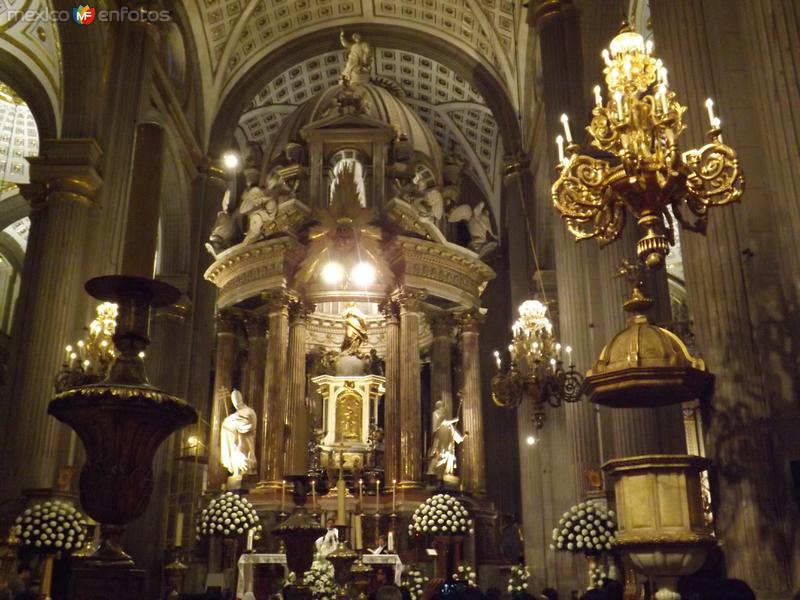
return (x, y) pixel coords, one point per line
(300, 298)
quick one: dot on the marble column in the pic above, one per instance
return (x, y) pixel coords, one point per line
(473, 453)
(441, 324)
(253, 384)
(273, 420)
(558, 26)
(64, 181)
(225, 356)
(728, 293)
(297, 416)
(391, 399)
(410, 457)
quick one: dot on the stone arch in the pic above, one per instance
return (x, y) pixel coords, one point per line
(16, 74)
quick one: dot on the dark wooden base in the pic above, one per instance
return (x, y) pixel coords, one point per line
(107, 583)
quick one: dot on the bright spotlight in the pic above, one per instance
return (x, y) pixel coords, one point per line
(363, 274)
(530, 440)
(230, 160)
(332, 273)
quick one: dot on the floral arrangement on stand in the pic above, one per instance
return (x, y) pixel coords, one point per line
(51, 527)
(319, 578)
(467, 574)
(440, 515)
(586, 528)
(228, 516)
(518, 581)
(415, 582)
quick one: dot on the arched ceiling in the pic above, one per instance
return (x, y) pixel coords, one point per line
(443, 53)
(447, 103)
(28, 35)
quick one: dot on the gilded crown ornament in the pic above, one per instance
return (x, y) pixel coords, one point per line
(636, 165)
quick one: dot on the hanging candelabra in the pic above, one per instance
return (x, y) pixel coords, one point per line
(537, 368)
(636, 165)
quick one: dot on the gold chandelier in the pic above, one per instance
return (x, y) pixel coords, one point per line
(637, 164)
(90, 358)
(537, 369)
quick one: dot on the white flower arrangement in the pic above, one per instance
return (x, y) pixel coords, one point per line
(50, 527)
(320, 578)
(518, 581)
(441, 515)
(415, 582)
(586, 528)
(467, 574)
(229, 515)
(596, 576)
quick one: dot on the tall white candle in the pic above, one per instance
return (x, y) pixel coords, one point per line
(560, 144)
(390, 541)
(567, 132)
(618, 101)
(313, 495)
(179, 530)
(377, 496)
(394, 495)
(598, 99)
(251, 535)
(283, 496)
(710, 109)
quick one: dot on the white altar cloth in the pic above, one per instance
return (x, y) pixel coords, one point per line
(244, 581)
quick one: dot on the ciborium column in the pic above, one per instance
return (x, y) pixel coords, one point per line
(273, 419)
(473, 453)
(256, 328)
(441, 360)
(296, 410)
(410, 391)
(391, 437)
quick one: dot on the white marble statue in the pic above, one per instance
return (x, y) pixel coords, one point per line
(359, 58)
(483, 239)
(238, 438)
(328, 542)
(260, 206)
(429, 202)
(442, 453)
(224, 228)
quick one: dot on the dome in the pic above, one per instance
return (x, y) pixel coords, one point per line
(381, 104)
(645, 366)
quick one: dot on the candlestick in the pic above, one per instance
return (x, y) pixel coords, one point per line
(361, 496)
(618, 101)
(394, 496)
(179, 530)
(377, 496)
(567, 132)
(283, 496)
(662, 92)
(340, 494)
(560, 144)
(598, 99)
(314, 495)
(251, 534)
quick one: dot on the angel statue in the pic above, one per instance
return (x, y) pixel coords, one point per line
(429, 202)
(359, 58)
(260, 206)
(442, 453)
(479, 226)
(224, 228)
(355, 330)
(238, 438)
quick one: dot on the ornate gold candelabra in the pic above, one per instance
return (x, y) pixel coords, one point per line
(89, 360)
(636, 163)
(537, 369)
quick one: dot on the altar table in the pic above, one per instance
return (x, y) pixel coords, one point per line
(247, 562)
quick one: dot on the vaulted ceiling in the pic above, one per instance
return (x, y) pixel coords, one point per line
(236, 36)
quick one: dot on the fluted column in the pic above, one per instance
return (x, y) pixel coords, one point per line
(410, 474)
(441, 360)
(473, 453)
(751, 492)
(391, 398)
(64, 181)
(224, 358)
(273, 421)
(256, 328)
(296, 407)
(558, 27)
